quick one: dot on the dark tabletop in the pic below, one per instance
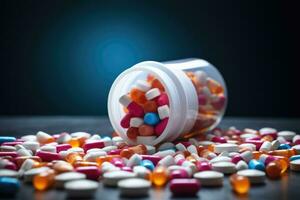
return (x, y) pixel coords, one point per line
(288, 187)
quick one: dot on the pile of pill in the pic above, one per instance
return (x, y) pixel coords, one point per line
(78, 162)
(147, 111)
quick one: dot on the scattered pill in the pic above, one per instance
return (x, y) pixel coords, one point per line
(81, 188)
(9, 185)
(184, 187)
(8, 173)
(255, 176)
(240, 184)
(210, 178)
(295, 165)
(224, 167)
(226, 147)
(112, 178)
(61, 179)
(134, 187)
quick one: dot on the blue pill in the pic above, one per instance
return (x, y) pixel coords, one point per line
(296, 157)
(148, 164)
(9, 185)
(151, 118)
(284, 146)
(254, 164)
(6, 139)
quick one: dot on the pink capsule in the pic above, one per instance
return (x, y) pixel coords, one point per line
(93, 144)
(219, 102)
(218, 139)
(254, 138)
(202, 100)
(160, 127)
(6, 164)
(184, 187)
(115, 152)
(162, 100)
(257, 143)
(152, 158)
(235, 159)
(118, 162)
(179, 173)
(128, 169)
(135, 109)
(56, 136)
(48, 156)
(62, 147)
(14, 143)
(269, 159)
(180, 162)
(8, 153)
(91, 172)
(268, 131)
(296, 142)
(203, 166)
(125, 122)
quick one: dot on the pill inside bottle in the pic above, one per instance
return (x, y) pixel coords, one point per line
(153, 102)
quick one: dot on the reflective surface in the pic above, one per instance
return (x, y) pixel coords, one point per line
(285, 188)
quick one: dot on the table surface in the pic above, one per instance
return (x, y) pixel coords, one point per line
(288, 187)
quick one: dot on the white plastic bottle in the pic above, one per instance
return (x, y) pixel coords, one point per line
(196, 91)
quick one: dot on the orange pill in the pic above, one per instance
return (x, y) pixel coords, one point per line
(159, 176)
(137, 96)
(214, 86)
(273, 169)
(150, 106)
(157, 84)
(74, 142)
(62, 166)
(146, 130)
(85, 163)
(44, 180)
(74, 157)
(128, 152)
(239, 184)
(150, 78)
(108, 158)
(132, 133)
(256, 155)
(284, 163)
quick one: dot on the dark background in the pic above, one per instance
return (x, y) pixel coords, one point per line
(60, 57)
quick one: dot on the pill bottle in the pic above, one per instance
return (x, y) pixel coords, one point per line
(196, 93)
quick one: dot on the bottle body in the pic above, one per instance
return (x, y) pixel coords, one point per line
(196, 100)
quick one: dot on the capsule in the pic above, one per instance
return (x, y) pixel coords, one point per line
(91, 172)
(9, 185)
(44, 180)
(240, 184)
(254, 164)
(159, 176)
(128, 152)
(184, 187)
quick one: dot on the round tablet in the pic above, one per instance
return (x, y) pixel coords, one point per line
(220, 159)
(112, 178)
(224, 167)
(61, 179)
(28, 175)
(287, 135)
(8, 173)
(81, 188)
(295, 165)
(134, 187)
(210, 178)
(219, 148)
(255, 176)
